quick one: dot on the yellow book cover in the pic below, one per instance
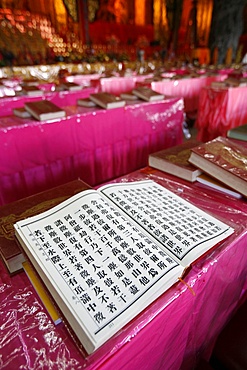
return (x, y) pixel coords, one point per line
(43, 295)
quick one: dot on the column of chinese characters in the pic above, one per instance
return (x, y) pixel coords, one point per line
(106, 262)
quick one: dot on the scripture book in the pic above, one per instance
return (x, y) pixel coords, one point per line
(31, 90)
(128, 96)
(107, 100)
(174, 160)
(44, 110)
(31, 82)
(212, 183)
(85, 102)
(10, 213)
(218, 85)
(106, 254)
(224, 160)
(71, 86)
(147, 94)
(42, 292)
(239, 133)
(21, 112)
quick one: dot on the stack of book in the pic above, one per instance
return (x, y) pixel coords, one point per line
(218, 164)
(224, 160)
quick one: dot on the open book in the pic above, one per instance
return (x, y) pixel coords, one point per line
(106, 254)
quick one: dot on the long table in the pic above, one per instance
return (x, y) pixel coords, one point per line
(220, 110)
(91, 143)
(174, 332)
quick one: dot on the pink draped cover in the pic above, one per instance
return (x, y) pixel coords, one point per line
(91, 143)
(220, 110)
(172, 333)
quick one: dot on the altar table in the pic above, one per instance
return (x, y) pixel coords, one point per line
(220, 110)
(91, 143)
(173, 333)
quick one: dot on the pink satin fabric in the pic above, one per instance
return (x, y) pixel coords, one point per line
(91, 143)
(220, 110)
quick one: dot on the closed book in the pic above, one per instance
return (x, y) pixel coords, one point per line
(21, 112)
(107, 100)
(86, 102)
(128, 96)
(147, 94)
(71, 86)
(174, 160)
(44, 110)
(31, 90)
(218, 85)
(10, 213)
(239, 133)
(232, 81)
(224, 160)
(212, 183)
(31, 82)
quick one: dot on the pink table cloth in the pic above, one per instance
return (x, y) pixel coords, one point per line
(220, 110)
(187, 88)
(60, 98)
(172, 333)
(91, 143)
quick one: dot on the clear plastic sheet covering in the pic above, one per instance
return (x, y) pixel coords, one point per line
(172, 333)
(220, 110)
(93, 144)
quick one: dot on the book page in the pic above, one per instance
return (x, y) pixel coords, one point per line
(101, 268)
(182, 228)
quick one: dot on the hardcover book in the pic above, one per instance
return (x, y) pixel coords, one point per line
(147, 94)
(129, 96)
(174, 160)
(212, 183)
(44, 110)
(107, 100)
(219, 84)
(42, 293)
(10, 213)
(71, 86)
(21, 112)
(106, 254)
(224, 160)
(31, 90)
(31, 82)
(239, 133)
(85, 102)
